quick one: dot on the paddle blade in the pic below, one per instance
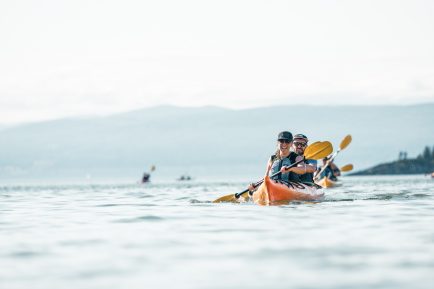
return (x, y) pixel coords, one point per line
(226, 199)
(318, 150)
(314, 147)
(347, 168)
(345, 142)
(232, 199)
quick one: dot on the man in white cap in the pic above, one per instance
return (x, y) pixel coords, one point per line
(299, 144)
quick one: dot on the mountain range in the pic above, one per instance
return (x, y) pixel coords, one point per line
(206, 141)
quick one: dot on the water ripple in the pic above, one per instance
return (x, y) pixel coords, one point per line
(148, 218)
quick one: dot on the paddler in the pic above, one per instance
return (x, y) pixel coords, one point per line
(329, 171)
(310, 166)
(336, 171)
(282, 158)
(147, 176)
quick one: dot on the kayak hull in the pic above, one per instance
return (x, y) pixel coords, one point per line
(272, 192)
(326, 183)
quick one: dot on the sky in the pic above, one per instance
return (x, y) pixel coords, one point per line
(94, 57)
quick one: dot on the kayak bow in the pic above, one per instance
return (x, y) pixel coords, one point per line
(326, 183)
(273, 192)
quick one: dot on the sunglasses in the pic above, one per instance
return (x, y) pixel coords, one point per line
(300, 144)
(284, 141)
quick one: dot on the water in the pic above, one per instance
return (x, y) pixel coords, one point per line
(371, 232)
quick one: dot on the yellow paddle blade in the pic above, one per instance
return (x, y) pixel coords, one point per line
(315, 143)
(318, 150)
(347, 168)
(345, 142)
(314, 147)
(231, 198)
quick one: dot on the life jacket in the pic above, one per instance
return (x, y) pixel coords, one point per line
(328, 172)
(306, 178)
(278, 163)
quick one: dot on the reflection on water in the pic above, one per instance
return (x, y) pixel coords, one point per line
(367, 233)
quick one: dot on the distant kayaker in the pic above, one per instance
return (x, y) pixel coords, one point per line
(282, 158)
(329, 171)
(147, 176)
(335, 169)
(310, 166)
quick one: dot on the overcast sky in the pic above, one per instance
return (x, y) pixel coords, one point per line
(84, 57)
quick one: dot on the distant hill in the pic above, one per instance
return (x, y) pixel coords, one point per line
(423, 164)
(207, 140)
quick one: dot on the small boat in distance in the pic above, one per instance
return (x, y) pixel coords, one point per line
(184, 177)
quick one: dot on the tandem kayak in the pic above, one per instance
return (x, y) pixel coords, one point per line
(327, 183)
(273, 192)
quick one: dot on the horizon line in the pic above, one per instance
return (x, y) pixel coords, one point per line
(114, 113)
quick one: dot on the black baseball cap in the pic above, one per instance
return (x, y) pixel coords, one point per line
(285, 135)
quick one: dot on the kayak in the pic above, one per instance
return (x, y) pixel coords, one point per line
(326, 183)
(273, 192)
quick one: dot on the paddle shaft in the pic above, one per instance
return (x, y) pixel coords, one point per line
(237, 195)
(344, 143)
(327, 164)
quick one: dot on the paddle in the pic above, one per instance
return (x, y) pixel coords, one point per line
(344, 143)
(347, 168)
(316, 151)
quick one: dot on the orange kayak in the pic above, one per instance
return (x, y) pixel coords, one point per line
(326, 183)
(272, 192)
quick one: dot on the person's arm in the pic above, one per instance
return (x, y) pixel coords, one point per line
(311, 166)
(301, 169)
(335, 169)
(269, 164)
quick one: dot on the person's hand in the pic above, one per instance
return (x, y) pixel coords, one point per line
(285, 170)
(251, 187)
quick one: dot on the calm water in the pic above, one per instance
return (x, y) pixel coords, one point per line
(368, 233)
